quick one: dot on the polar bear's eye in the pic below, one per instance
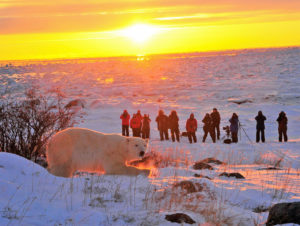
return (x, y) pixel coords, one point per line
(136, 145)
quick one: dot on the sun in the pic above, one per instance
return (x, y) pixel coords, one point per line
(139, 33)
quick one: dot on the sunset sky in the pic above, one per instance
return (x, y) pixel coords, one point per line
(39, 29)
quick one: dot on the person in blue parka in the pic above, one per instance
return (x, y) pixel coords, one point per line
(234, 127)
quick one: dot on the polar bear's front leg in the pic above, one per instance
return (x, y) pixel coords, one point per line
(135, 171)
(62, 170)
(126, 170)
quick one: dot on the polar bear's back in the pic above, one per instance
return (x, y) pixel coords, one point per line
(81, 144)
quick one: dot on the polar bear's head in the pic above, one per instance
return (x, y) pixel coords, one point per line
(136, 147)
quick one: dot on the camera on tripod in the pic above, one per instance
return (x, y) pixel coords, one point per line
(227, 130)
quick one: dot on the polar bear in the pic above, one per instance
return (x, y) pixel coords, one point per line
(86, 150)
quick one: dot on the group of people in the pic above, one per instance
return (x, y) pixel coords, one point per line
(140, 126)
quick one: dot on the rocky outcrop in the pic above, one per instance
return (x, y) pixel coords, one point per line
(189, 186)
(236, 175)
(201, 176)
(283, 213)
(180, 218)
(270, 168)
(239, 102)
(201, 165)
(212, 160)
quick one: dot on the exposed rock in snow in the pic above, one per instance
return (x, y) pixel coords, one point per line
(189, 186)
(236, 175)
(239, 101)
(201, 176)
(283, 213)
(201, 165)
(212, 160)
(180, 218)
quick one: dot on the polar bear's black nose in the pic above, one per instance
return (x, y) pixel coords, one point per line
(142, 153)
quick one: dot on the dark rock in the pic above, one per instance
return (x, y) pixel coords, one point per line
(261, 209)
(200, 165)
(189, 186)
(283, 213)
(212, 160)
(239, 101)
(236, 175)
(201, 176)
(270, 168)
(180, 218)
(76, 103)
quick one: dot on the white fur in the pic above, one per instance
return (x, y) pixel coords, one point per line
(86, 150)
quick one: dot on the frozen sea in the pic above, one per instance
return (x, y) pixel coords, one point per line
(243, 81)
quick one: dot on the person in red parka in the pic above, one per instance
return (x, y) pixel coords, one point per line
(191, 128)
(135, 125)
(125, 123)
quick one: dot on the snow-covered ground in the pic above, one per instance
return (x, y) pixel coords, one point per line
(267, 80)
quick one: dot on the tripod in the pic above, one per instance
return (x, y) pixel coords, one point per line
(240, 125)
(227, 135)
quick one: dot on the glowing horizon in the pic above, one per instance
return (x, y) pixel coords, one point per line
(68, 29)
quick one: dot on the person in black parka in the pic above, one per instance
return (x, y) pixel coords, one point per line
(174, 126)
(162, 125)
(234, 127)
(208, 128)
(260, 126)
(282, 126)
(216, 119)
(146, 127)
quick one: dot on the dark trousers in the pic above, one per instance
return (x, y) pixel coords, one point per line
(262, 133)
(125, 130)
(234, 137)
(175, 132)
(211, 133)
(217, 127)
(192, 135)
(146, 133)
(136, 132)
(164, 134)
(283, 132)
